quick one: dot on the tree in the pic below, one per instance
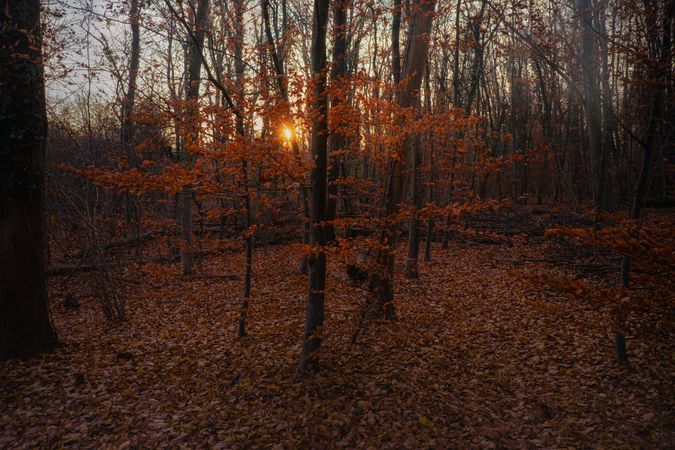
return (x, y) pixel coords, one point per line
(239, 70)
(25, 326)
(194, 67)
(128, 103)
(317, 261)
(130, 94)
(590, 67)
(337, 74)
(412, 73)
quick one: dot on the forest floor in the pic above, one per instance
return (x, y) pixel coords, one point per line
(477, 358)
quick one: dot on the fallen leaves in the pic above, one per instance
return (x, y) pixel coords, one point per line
(476, 359)
(425, 421)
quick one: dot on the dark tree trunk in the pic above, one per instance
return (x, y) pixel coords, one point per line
(25, 326)
(477, 68)
(127, 125)
(192, 133)
(337, 75)
(457, 104)
(455, 61)
(239, 70)
(395, 42)
(130, 95)
(278, 63)
(317, 261)
(432, 169)
(590, 66)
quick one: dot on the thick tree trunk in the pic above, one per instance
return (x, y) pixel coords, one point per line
(416, 52)
(25, 326)
(184, 206)
(317, 261)
(194, 69)
(277, 61)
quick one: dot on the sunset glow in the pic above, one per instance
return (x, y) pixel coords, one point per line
(288, 134)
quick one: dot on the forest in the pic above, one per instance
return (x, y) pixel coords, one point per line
(322, 224)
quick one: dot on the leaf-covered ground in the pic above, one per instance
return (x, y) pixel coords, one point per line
(478, 358)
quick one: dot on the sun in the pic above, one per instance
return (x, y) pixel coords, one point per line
(288, 133)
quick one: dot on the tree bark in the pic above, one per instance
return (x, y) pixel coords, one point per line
(317, 261)
(194, 69)
(130, 95)
(410, 270)
(395, 42)
(457, 104)
(590, 66)
(25, 326)
(239, 70)
(432, 167)
(416, 52)
(338, 74)
(477, 69)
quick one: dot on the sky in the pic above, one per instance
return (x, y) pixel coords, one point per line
(74, 32)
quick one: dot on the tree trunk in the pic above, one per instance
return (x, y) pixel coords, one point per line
(417, 49)
(417, 199)
(192, 132)
(317, 261)
(395, 42)
(239, 70)
(457, 104)
(132, 212)
(590, 66)
(477, 68)
(130, 95)
(432, 168)
(25, 326)
(337, 75)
